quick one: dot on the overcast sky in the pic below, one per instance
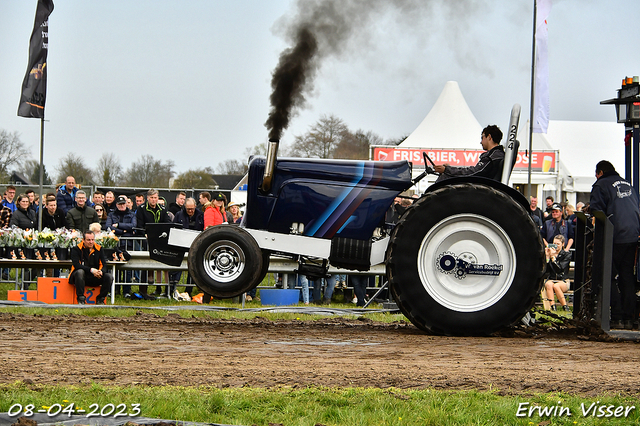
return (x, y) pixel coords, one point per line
(189, 81)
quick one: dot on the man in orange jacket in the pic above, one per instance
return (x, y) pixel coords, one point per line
(87, 263)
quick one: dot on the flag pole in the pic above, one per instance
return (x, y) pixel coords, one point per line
(531, 107)
(42, 205)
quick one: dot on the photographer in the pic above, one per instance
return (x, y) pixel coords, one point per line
(558, 271)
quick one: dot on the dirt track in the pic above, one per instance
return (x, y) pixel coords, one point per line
(170, 350)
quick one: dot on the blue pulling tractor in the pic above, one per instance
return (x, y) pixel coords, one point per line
(464, 259)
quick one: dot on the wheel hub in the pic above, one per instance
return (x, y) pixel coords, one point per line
(224, 261)
(466, 262)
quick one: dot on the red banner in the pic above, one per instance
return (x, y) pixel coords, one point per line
(541, 161)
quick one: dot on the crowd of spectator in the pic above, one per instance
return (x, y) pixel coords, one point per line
(72, 208)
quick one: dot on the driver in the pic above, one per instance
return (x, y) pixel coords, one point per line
(489, 164)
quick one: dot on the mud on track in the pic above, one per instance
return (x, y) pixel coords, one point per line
(152, 350)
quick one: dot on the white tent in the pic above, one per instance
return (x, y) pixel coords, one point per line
(449, 124)
(581, 144)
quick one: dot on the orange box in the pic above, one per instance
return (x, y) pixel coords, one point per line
(90, 295)
(56, 290)
(22, 295)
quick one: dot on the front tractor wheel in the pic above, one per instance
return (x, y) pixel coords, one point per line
(466, 259)
(225, 261)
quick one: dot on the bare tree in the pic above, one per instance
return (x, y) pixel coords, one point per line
(260, 149)
(12, 153)
(395, 141)
(232, 167)
(322, 139)
(149, 173)
(108, 170)
(74, 165)
(355, 146)
(199, 178)
(31, 169)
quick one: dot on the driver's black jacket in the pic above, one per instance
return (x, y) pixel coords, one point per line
(489, 166)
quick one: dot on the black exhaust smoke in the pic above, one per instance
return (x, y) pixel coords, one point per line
(322, 28)
(294, 69)
(319, 28)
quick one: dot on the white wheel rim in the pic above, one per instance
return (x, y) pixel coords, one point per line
(476, 240)
(224, 261)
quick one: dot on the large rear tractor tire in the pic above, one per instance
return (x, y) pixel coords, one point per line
(225, 261)
(465, 259)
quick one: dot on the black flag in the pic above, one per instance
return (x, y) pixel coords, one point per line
(34, 86)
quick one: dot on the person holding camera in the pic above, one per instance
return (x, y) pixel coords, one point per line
(557, 282)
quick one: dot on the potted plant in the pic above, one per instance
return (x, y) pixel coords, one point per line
(65, 239)
(109, 243)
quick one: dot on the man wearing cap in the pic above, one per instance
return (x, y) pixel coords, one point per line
(122, 221)
(557, 226)
(614, 196)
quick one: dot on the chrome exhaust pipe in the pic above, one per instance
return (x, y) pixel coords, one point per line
(511, 145)
(269, 168)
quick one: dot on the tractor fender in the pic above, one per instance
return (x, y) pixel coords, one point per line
(514, 194)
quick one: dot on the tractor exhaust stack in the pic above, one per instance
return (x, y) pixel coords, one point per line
(272, 154)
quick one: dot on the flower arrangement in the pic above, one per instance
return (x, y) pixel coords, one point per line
(14, 237)
(4, 237)
(30, 238)
(63, 238)
(108, 240)
(67, 238)
(46, 238)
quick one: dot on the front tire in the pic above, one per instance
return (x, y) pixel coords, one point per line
(225, 261)
(465, 259)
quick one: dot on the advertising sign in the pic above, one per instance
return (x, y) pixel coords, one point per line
(541, 161)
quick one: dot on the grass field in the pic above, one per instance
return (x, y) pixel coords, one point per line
(309, 405)
(312, 406)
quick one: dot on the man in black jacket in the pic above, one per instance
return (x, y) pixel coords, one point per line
(150, 212)
(52, 216)
(619, 201)
(178, 205)
(81, 216)
(190, 218)
(87, 263)
(490, 162)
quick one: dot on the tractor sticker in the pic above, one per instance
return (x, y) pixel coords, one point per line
(465, 264)
(623, 190)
